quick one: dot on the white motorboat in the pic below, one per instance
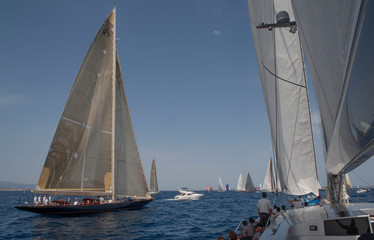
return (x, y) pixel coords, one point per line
(187, 194)
(362, 190)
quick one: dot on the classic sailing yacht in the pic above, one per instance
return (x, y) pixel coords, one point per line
(337, 38)
(94, 152)
(153, 179)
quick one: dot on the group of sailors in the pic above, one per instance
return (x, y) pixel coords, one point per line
(253, 229)
(42, 201)
(48, 201)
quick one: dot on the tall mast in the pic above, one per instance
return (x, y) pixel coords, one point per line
(112, 19)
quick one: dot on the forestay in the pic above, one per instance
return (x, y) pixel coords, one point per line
(284, 86)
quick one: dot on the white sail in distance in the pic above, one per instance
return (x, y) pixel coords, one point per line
(94, 151)
(284, 85)
(241, 184)
(153, 179)
(220, 185)
(270, 183)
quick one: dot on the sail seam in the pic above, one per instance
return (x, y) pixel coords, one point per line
(85, 126)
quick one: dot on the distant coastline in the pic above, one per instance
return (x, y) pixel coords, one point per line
(13, 189)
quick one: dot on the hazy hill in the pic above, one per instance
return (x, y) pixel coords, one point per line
(14, 185)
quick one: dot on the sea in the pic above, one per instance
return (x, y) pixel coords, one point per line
(215, 214)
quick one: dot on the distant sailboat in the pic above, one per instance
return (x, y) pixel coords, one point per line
(153, 180)
(94, 152)
(220, 185)
(270, 184)
(227, 187)
(241, 184)
(249, 187)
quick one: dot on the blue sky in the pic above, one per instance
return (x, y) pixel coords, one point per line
(190, 75)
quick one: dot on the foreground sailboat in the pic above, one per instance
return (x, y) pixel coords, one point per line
(94, 153)
(153, 181)
(336, 36)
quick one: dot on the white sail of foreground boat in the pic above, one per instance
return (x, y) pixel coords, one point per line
(220, 185)
(153, 180)
(94, 152)
(336, 38)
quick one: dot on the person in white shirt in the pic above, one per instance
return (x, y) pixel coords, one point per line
(264, 209)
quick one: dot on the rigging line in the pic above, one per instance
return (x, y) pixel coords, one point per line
(299, 85)
(361, 179)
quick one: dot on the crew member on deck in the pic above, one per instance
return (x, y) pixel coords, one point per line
(264, 209)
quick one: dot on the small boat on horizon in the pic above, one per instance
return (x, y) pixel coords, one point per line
(362, 190)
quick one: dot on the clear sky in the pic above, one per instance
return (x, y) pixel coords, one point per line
(191, 81)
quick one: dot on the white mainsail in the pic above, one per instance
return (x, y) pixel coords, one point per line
(283, 79)
(94, 151)
(249, 187)
(241, 184)
(153, 179)
(220, 185)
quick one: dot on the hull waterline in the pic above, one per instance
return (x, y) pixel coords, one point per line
(85, 209)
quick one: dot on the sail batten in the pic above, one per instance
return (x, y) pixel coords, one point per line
(283, 79)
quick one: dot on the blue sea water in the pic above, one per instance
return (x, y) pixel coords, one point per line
(215, 214)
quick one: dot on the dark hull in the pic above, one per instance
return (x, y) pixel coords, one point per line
(83, 209)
